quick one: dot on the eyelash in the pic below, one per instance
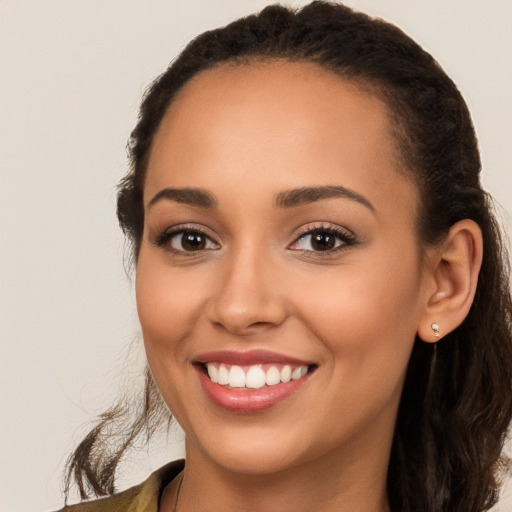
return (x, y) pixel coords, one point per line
(346, 237)
(167, 236)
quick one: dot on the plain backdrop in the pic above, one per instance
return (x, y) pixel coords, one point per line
(71, 76)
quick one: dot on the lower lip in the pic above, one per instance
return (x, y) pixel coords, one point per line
(248, 400)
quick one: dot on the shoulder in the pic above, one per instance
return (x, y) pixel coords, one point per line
(141, 498)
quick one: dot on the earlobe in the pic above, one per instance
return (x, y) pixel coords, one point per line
(455, 265)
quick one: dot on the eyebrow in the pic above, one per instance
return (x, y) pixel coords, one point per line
(286, 199)
(307, 195)
(192, 196)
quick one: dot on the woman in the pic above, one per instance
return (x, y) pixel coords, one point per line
(320, 281)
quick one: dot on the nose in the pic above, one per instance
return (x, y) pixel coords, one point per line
(248, 298)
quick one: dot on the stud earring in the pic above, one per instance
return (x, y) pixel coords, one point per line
(435, 328)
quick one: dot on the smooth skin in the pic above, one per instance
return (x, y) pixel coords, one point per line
(248, 135)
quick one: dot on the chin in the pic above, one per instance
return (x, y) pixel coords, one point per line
(252, 453)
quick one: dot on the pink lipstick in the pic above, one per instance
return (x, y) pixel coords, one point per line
(250, 381)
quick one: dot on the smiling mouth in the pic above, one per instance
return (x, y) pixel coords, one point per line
(257, 376)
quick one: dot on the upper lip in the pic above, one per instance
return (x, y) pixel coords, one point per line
(248, 358)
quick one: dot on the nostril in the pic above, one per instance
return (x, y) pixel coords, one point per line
(256, 324)
(241, 328)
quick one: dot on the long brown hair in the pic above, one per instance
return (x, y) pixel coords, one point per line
(457, 400)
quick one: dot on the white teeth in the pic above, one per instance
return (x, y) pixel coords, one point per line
(223, 375)
(286, 373)
(297, 373)
(255, 377)
(213, 373)
(273, 376)
(236, 377)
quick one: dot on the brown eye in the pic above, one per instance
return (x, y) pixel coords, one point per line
(191, 241)
(188, 241)
(323, 241)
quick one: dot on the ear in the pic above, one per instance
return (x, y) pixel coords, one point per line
(455, 265)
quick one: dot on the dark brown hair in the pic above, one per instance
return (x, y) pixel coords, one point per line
(457, 399)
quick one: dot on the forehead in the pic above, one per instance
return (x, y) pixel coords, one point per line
(274, 123)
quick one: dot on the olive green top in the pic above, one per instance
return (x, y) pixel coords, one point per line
(141, 498)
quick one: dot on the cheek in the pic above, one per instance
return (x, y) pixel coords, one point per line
(366, 324)
(366, 316)
(168, 304)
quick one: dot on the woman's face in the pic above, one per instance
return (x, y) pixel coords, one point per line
(279, 238)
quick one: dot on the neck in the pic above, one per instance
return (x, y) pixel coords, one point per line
(335, 482)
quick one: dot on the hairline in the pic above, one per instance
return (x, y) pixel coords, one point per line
(373, 87)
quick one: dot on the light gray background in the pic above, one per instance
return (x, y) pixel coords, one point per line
(71, 76)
